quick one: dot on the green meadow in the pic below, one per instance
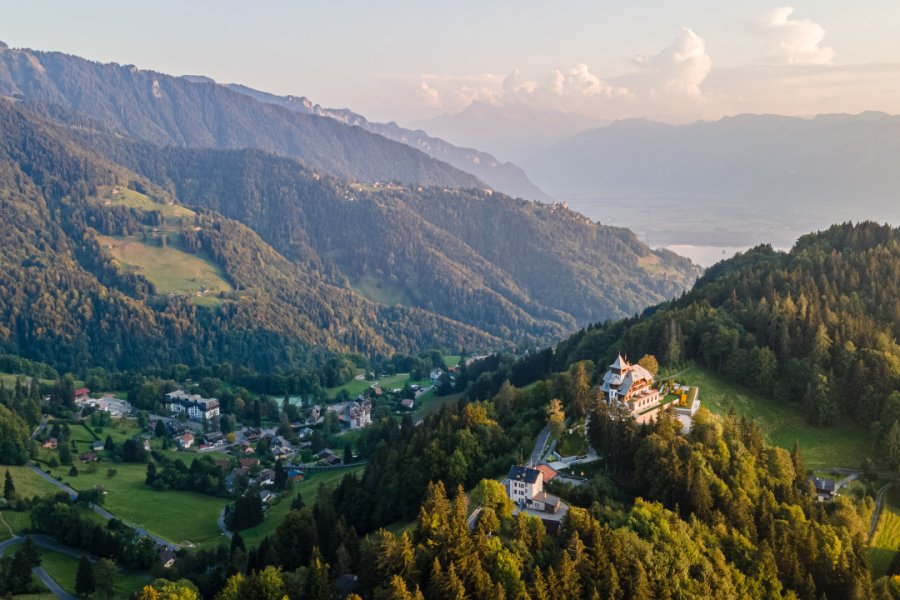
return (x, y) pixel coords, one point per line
(841, 445)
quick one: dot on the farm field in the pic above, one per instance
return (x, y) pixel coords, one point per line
(134, 199)
(886, 541)
(842, 445)
(171, 270)
(180, 517)
(310, 490)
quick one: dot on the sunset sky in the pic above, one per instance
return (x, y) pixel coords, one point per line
(409, 60)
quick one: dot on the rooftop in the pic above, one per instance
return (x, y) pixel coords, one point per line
(522, 473)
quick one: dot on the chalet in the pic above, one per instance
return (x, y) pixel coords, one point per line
(88, 457)
(81, 394)
(186, 441)
(50, 443)
(249, 462)
(525, 487)
(295, 475)
(408, 403)
(265, 477)
(632, 386)
(196, 407)
(266, 496)
(251, 435)
(97, 446)
(205, 447)
(826, 489)
(435, 374)
(166, 556)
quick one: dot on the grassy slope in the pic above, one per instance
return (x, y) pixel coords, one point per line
(381, 291)
(171, 270)
(64, 568)
(842, 445)
(310, 491)
(181, 517)
(886, 541)
(28, 483)
(133, 199)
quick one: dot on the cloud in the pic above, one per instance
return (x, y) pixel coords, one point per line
(794, 41)
(679, 68)
(676, 73)
(429, 96)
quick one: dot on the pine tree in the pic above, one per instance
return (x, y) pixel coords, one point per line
(151, 474)
(105, 574)
(582, 391)
(84, 578)
(9, 488)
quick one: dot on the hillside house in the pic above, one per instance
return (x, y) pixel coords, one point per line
(186, 441)
(196, 407)
(355, 414)
(166, 556)
(525, 487)
(88, 457)
(408, 403)
(632, 386)
(97, 446)
(81, 394)
(50, 443)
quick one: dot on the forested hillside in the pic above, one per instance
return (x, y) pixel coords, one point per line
(185, 112)
(817, 326)
(513, 268)
(65, 300)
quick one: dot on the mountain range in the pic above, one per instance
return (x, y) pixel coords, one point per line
(502, 176)
(122, 238)
(753, 176)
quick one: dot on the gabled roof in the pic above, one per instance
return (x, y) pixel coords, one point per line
(526, 474)
(620, 365)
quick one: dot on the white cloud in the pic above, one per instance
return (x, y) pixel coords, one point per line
(679, 68)
(429, 96)
(794, 41)
(676, 72)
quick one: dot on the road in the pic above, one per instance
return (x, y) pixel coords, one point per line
(220, 520)
(539, 445)
(39, 571)
(40, 427)
(473, 518)
(876, 514)
(73, 494)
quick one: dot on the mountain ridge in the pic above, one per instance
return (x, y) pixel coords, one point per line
(165, 109)
(504, 177)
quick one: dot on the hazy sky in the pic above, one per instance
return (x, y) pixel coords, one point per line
(407, 60)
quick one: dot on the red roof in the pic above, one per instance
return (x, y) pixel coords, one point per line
(547, 472)
(82, 392)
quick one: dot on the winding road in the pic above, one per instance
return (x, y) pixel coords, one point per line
(51, 544)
